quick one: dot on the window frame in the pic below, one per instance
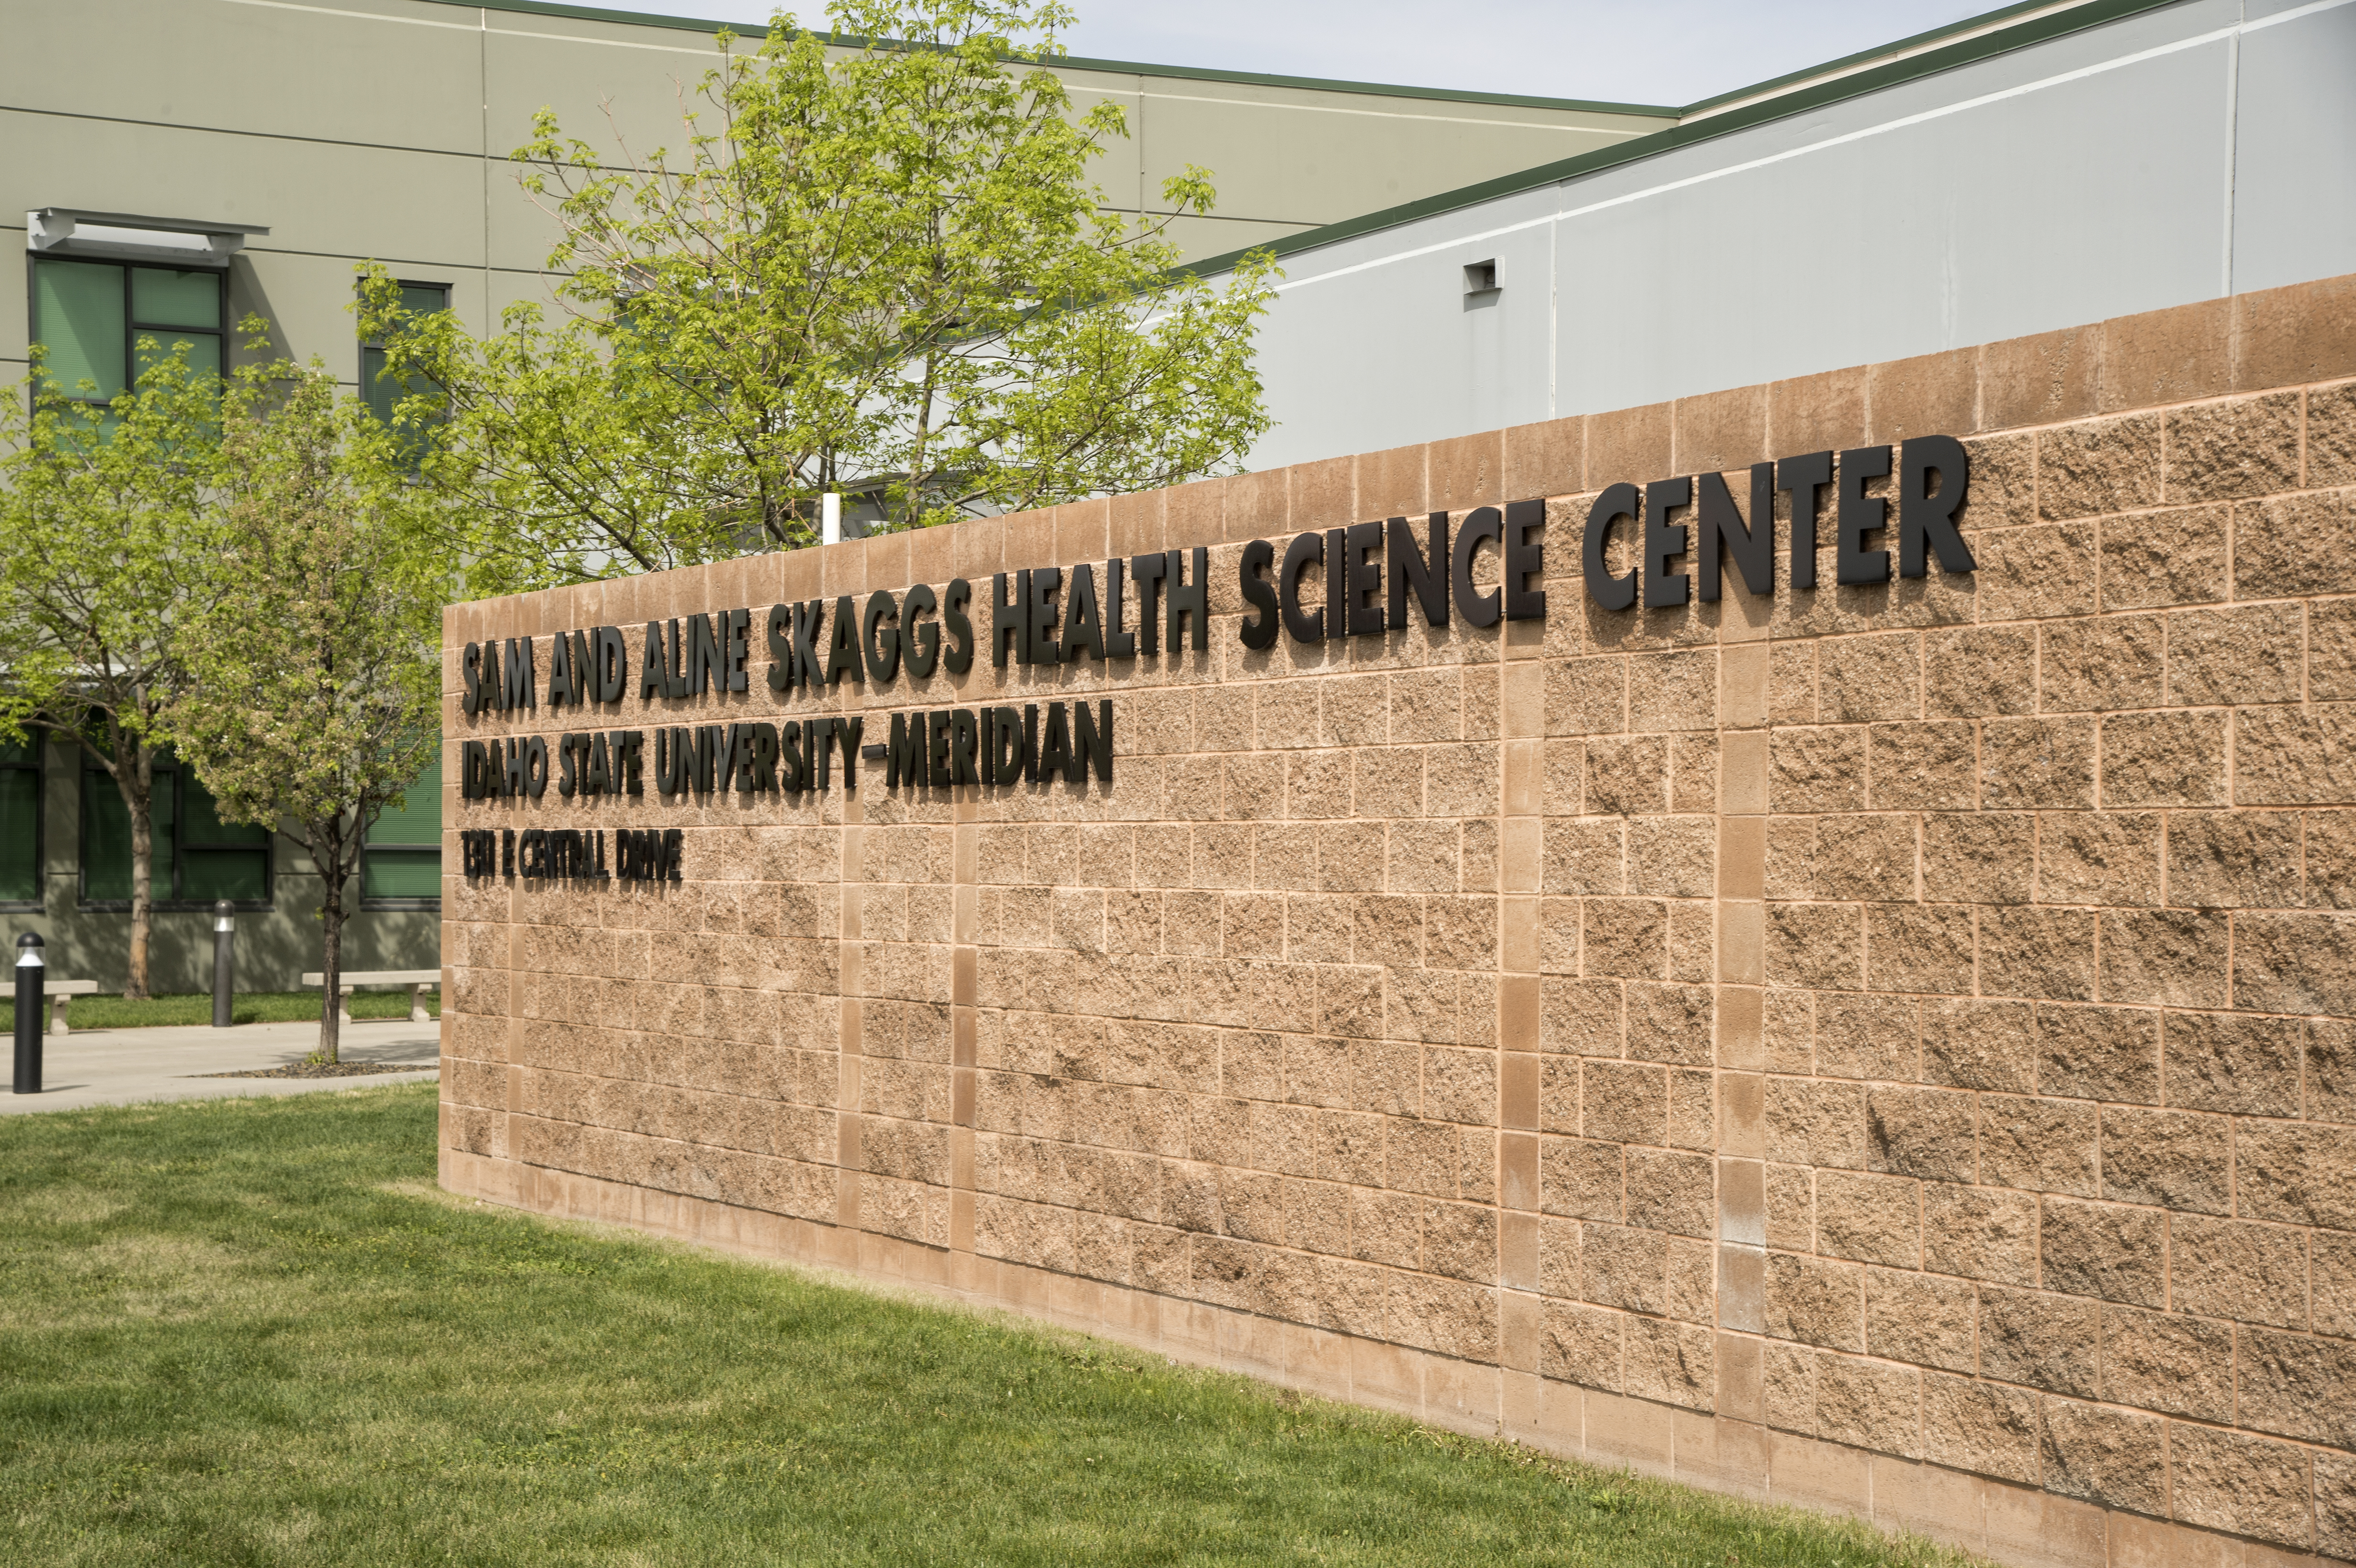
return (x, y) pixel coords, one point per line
(431, 902)
(132, 329)
(172, 899)
(376, 345)
(39, 742)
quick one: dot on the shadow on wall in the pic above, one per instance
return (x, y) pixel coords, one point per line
(1481, 289)
(276, 947)
(248, 296)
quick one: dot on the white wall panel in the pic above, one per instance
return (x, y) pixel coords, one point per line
(2092, 175)
(2295, 149)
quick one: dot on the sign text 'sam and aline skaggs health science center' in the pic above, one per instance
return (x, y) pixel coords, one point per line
(1375, 576)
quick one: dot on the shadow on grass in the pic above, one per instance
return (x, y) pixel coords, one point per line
(246, 1007)
(244, 1331)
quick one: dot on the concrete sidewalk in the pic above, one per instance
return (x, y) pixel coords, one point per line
(118, 1066)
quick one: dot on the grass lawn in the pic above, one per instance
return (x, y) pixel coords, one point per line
(251, 1331)
(105, 1011)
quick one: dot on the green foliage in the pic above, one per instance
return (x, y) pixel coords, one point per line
(245, 1008)
(238, 568)
(314, 649)
(249, 1331)
(883, 273)
(102, 524)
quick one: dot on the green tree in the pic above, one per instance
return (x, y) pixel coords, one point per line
(881, 270)
(314, 653)
(102, 521)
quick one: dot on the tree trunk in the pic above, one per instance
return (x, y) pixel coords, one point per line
(331, 963)
(136, 779)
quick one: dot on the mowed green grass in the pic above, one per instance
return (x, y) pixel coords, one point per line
(251, 1331)
(104, 1011)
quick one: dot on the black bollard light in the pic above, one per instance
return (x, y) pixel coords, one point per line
(224, 960)
(32, 969)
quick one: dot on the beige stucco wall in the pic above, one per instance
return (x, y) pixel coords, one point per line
(1889, 1048)
(381, 130)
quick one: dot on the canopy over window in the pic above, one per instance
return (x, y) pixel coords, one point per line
(73, 231)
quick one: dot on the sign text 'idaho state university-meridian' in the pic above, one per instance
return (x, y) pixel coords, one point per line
(1375, 576)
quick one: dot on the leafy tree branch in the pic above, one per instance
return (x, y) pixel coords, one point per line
(879, 269)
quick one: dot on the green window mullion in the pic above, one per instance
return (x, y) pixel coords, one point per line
(20, 824)
(204, 349)
(382, 394)
(83, 310)
(401, 874)
(166, 838)
(176, 305)
(403, 859)
(106, 838)
(241, 875)
(169, 299)
(379, 391)
(218, 859)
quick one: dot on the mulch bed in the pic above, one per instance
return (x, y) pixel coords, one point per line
(328, 1070)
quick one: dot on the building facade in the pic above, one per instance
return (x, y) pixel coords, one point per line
(1795, 939)
(1734, 858)
(157, 196)
(2045, 166)
(1530, 259)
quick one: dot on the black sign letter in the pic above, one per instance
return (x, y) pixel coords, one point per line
(1608, 592)
(1922, 513)
(1663, 587)
(1858, 515)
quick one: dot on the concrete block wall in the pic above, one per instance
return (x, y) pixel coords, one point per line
(1885, 1048)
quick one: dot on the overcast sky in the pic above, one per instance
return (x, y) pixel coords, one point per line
(1629, 51)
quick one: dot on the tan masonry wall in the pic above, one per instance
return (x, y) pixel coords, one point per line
(1886, 1049)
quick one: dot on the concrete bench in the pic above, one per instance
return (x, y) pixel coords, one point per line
(415, 979)
(60, 994)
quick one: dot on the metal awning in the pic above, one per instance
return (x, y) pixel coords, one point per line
(125, 236)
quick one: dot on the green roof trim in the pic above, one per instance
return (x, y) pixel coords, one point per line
(1323, 84)
(597, 14)
(1111, 67)
(1857, 85)
(1318, 84)
(1808, 90)
(1865, 57)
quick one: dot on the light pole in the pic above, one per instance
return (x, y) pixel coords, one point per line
(32, 969)
(224, 960)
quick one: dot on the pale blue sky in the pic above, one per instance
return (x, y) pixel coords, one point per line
(1635, 51)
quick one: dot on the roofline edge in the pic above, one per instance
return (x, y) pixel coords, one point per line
(1854, 84)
